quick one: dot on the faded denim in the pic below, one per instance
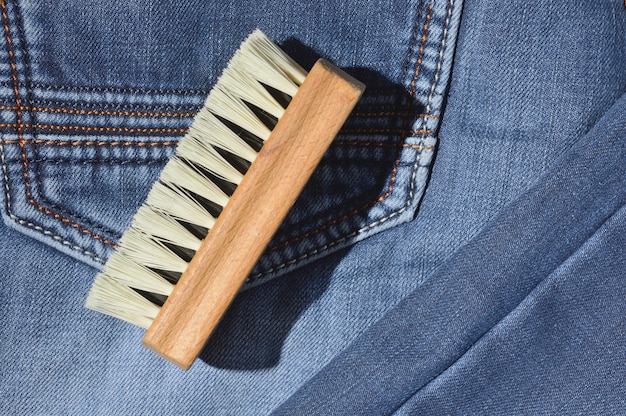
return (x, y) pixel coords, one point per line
(485, 280)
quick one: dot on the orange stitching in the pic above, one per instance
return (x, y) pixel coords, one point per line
(418, 68)
(386, 131)
(395, 114)
(422, 49)
(20, 134)
(20, 125)
(174, 143)
(98, 112)
(380, 144)
(7, 31)
(90, 143)
(183, 115)
(169, 130)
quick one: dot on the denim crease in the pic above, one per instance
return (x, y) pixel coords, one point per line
(530, 241)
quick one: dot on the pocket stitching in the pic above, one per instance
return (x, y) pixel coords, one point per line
(24, 159)
(404, 132)
(2, 157)
(36, 227)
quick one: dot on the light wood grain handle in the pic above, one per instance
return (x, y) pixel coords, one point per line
(253, 214)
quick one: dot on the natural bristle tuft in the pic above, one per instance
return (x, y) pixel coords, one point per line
(242, 108)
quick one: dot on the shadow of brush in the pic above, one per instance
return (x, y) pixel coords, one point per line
(355, 171)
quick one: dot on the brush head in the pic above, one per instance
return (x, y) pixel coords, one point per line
(223, 195)
(196, 184)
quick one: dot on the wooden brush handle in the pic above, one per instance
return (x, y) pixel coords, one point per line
(253, 214)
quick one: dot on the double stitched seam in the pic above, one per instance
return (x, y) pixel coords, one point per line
(394, 114)
(440, 58)
(85, 112)
(138, 90)
(79, 143)
(98, 129)
(99, 161)
(381, 144)
(97, 143)
(110, 89)
(7, 191)
(149, 130)
(390, 189)
(51, 105)
(20, 134)
(165, 114)
(121, 90)
(394, 132)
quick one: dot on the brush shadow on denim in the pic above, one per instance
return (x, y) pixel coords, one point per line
(361, 169)
(253, 331)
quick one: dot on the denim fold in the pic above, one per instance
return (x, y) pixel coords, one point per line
(485, 281)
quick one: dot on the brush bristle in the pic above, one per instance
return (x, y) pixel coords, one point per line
(239, 114)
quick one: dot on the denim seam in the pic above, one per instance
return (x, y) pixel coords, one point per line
(95, 129)
(95, 143)
(422, 49)
(442, 48)
(123, 90)
(149, 130)
(52, 161)
(165, 114)
(19, 128)
(79, 104)
(29, 224)
(77, 143)
(133, 90)
(90, 112)
(129, 161)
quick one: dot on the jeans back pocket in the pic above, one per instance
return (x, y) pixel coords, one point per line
(91, 113)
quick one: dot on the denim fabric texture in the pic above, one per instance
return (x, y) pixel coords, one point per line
(526, 316)
(487, 280)
(94, 98)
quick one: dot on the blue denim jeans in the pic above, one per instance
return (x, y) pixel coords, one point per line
(486, 279)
